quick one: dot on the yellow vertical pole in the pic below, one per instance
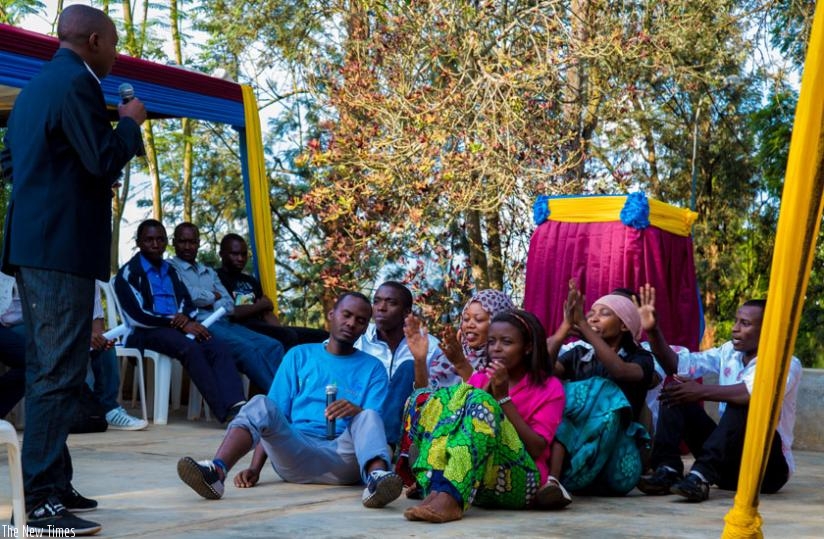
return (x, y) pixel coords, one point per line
(259, 193)
(798, 226)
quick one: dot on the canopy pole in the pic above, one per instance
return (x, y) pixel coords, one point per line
(258, 198)
(798, 227)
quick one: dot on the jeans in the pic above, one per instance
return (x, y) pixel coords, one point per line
(400, 387)
(106, 371)
(13, 355)
(209, 363)
(57, 311)
(256, 355)
(301, 458)
(717, 448)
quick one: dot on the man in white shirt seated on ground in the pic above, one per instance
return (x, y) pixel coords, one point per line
(717, 448)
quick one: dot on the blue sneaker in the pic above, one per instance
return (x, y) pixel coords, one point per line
(382, 487)
(203, 477)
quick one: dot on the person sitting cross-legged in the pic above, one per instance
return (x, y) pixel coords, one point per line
(158, 307)
(256, 355)
(290, 425)
(717, 448)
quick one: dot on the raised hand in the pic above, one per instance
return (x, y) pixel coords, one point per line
(646, 307)
(574, 305)
(417, 337)
(451, 346)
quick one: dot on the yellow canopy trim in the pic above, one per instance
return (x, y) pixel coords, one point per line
(259, 191)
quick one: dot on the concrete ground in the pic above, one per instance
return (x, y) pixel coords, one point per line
(133, 476)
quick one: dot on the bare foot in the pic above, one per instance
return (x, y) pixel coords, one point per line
(442, 508)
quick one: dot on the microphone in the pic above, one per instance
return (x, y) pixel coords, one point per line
(331, 396)
(126, 92)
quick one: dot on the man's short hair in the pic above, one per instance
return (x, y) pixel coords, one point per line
(351, 293)
(148, 223)
(77, 22)
(406, 295)
(760, 303)
(230, 237)
(183, 225)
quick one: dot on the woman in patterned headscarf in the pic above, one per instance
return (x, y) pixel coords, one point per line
(464, 352)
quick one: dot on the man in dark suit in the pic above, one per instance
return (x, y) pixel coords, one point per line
(62, 157)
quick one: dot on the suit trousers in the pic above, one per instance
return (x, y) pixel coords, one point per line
(57, 312)
(717, 448)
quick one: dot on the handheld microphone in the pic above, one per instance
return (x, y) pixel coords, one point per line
(331, 396)
(126, 92)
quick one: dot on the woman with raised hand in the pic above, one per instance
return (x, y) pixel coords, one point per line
(464, 351)
(597, 446)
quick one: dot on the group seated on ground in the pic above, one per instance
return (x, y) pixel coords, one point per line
(496, 420)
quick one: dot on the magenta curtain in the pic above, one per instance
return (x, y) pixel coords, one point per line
(605, 256)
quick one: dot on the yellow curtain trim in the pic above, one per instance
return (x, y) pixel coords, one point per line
(259, 192)
(601, 209)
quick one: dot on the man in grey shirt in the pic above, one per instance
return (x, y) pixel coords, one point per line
(256, 355)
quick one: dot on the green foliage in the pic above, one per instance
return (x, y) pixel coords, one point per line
(12, 11)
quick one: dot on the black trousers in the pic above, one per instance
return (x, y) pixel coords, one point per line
(289, 336)
(717, 448)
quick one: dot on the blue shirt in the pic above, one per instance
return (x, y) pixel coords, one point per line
(163, 292)
(299, 388)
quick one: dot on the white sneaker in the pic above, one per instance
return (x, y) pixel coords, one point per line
(382, 487)
(119, 419)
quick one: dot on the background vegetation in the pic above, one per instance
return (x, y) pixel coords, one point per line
(408, 139)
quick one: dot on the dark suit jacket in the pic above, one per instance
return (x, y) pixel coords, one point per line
(64, 157)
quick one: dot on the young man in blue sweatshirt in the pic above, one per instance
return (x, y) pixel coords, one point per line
(289, 425)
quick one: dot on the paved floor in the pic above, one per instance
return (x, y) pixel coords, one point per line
(133, 476)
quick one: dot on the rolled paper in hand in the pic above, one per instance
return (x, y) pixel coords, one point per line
(211, 319)
(116, 332)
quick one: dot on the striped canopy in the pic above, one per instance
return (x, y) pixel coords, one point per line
(167, 92)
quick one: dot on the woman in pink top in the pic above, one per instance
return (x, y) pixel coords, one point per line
(486, 442)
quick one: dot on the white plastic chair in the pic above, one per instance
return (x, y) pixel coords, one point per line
(162, 373)
(113, 319)
(8, 437)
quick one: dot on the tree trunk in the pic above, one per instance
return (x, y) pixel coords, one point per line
(495, 268)
(154, 173)
(187, 124)
(575, 94)
(118, 206)
(477, 254)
